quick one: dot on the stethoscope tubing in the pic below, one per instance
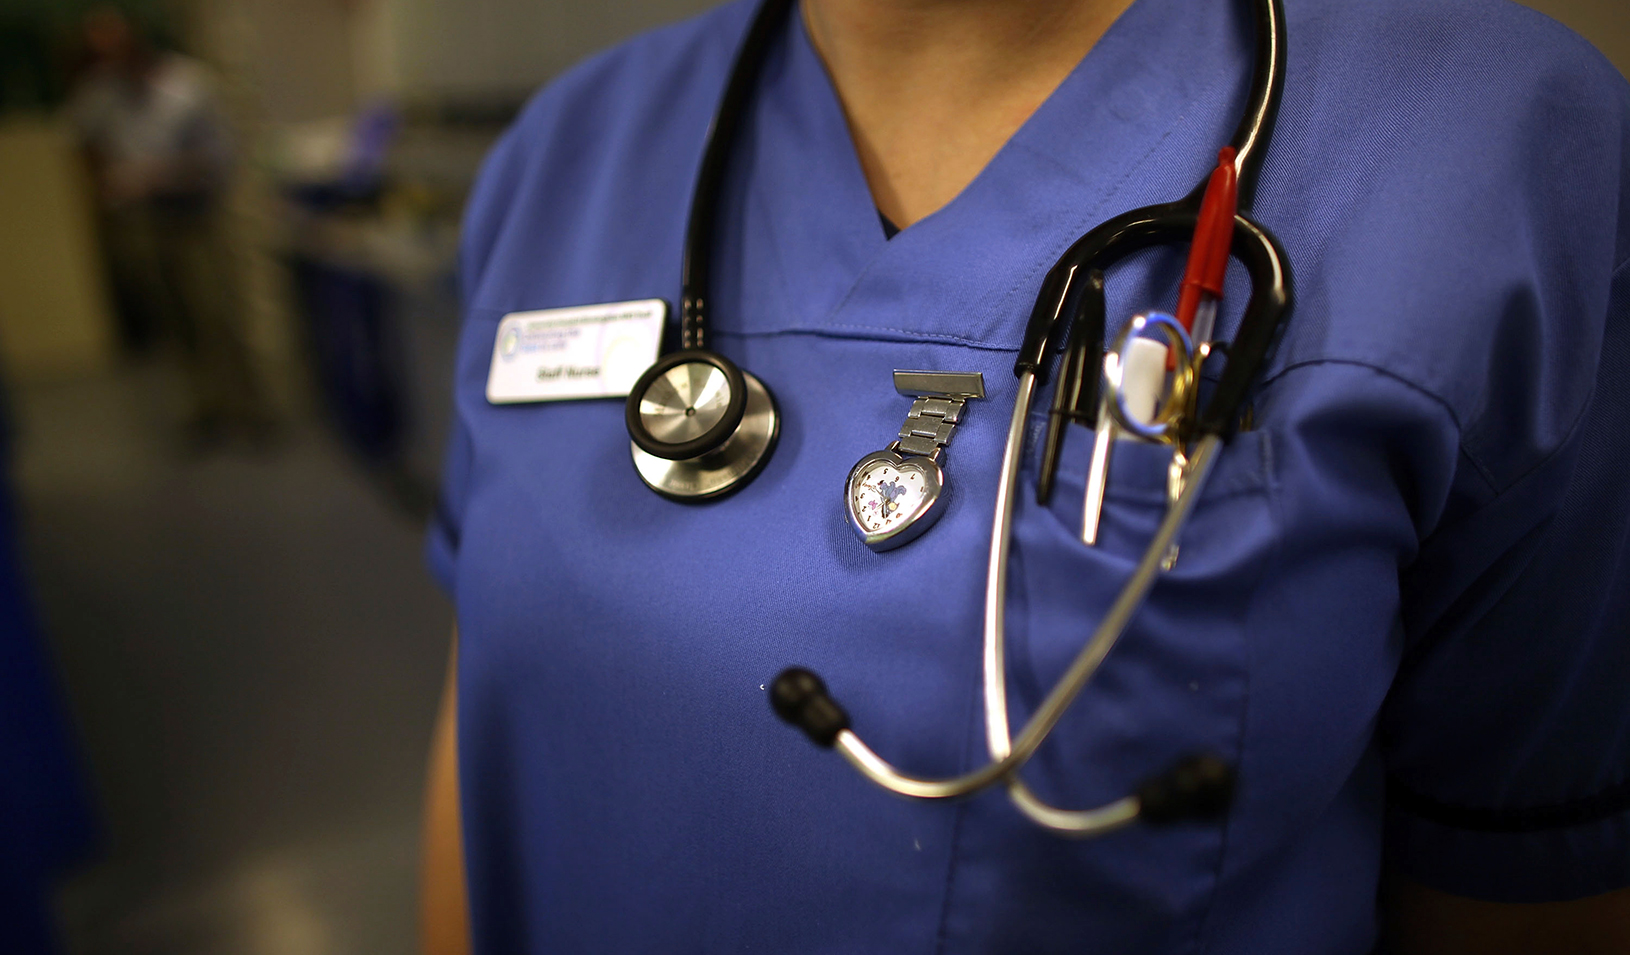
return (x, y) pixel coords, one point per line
(696, 268)
(801, 698)
(1008, 753)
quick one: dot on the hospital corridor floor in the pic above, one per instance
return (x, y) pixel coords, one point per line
(251, 652)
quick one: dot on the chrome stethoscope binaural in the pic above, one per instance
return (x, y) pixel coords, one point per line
(701, 428)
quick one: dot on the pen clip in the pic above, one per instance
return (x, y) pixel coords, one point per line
(1075, 397)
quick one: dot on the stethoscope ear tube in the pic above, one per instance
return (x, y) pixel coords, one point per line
(699, 427)
(1059, 306)
(1255, 129)
(1270, 304)
(1265, 313)
(696, 271)
(1198, 786)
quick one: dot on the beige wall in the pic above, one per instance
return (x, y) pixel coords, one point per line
(302, 50)
(459, 47)
(294, 58)
(318, 57)
(54, 315)
(308, 59)
(1605, 23)
(429, 48)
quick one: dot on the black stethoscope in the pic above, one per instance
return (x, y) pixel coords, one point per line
(701, 428)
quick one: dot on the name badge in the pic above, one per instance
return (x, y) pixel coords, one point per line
(586, 351)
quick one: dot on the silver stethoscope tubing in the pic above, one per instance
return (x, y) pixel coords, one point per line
(1197, 786)
(1007, 753)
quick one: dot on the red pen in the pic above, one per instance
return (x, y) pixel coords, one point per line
(1208, 256)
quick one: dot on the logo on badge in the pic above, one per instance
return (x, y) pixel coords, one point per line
(510, 343)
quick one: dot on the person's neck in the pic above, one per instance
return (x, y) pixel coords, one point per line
(933, 88)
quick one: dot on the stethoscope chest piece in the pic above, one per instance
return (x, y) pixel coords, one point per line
(700, 426)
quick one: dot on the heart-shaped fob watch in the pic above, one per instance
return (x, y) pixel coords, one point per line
(893, 499)
(894, 495)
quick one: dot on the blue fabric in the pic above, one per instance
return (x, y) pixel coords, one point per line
(46, 822)
(1399, 606)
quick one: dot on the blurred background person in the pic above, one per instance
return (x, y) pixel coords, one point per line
(161, 157)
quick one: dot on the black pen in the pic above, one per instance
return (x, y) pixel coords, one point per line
(1076, 398)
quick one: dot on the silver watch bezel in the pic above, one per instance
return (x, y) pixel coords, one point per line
(915, 524)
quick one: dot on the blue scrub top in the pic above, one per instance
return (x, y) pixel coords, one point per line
(1399, 607)
(46, 819)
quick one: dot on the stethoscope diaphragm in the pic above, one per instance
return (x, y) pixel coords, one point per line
(699, 426)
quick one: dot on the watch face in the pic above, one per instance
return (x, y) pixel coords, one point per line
(891, 499)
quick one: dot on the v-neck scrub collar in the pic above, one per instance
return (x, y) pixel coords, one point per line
(1135, 122)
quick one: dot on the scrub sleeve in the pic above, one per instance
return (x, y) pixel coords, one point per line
(1508, 728)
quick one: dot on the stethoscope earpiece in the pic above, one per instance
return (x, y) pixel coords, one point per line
(1197, 788)
(700, 426)
(800, 698)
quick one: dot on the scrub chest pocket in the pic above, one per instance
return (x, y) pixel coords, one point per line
(1176, 681)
